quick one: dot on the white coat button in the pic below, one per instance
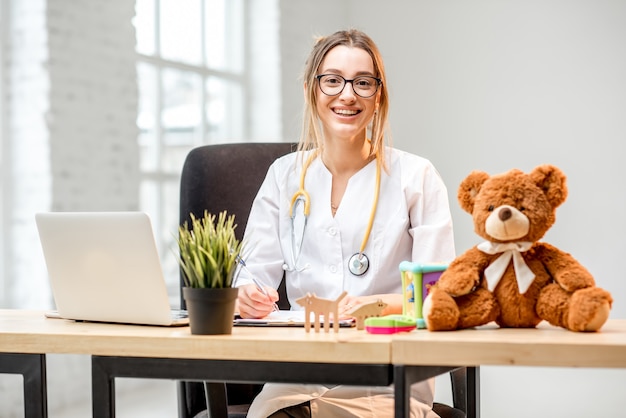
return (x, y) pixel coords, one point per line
(333, 269)
(332, 231)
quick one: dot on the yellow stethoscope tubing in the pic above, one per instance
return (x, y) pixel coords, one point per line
(370, 222)
(302, 193)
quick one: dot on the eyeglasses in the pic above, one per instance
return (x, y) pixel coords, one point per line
(333, 84)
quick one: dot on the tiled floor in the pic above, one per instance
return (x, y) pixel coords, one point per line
(155, 399)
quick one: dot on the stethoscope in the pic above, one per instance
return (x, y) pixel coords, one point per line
(359, 263)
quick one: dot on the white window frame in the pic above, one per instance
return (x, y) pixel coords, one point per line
(160, 176)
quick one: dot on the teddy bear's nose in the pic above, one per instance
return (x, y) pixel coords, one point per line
(504, 214)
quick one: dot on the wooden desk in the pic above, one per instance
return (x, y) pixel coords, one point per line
(250, 354)
(291, 355)
(31, 332)
(545, 346)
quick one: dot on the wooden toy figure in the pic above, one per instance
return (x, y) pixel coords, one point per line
(367, 310)
(323, 307)
(417, 279)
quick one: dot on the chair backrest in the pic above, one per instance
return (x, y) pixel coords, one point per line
(226, 177)
(217, 178)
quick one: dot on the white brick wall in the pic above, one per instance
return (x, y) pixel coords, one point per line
(93, 105)
(27, 102)
(72, 95)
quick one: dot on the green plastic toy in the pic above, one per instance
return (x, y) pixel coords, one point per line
(389, 324)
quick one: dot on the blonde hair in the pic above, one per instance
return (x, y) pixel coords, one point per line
(311, 135)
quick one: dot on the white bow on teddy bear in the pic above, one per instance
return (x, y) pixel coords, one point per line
(509, 250)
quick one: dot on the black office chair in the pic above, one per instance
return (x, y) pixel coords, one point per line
(227, 177)
(217, 178)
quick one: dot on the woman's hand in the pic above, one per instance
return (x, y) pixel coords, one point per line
(348, 304)
(252, 303)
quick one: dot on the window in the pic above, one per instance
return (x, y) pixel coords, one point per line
(192, 82)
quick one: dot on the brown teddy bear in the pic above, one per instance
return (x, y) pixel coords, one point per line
(512, 278)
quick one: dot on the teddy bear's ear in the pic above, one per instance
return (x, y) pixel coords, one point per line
(469, 188)
(551, 180)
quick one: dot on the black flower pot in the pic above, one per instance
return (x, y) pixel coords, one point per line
(211, 311)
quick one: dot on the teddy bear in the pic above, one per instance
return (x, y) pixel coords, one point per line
(512, 278)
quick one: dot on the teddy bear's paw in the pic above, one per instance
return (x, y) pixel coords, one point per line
(589, 309)
(459, 283)
(477, 308)
(440, 311)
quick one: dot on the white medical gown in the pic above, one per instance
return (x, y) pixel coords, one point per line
(413, 222)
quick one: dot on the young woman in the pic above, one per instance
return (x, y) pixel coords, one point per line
(341, 214)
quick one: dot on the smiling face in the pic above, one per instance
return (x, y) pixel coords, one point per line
(346, 115)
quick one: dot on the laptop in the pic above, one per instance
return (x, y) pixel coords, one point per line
(105, 267)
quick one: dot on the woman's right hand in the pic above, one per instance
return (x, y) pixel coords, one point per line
(252, 303)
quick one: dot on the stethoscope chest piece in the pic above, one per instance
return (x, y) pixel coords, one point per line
(358, 264)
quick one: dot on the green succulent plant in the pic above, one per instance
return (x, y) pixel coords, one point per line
(209, 251)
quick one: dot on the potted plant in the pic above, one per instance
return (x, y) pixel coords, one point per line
(208, 256)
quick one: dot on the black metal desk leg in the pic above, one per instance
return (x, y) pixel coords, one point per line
(466, 390)
(35, 398)
(33, 368)
(404, 377)
(402, 392)
(473, 392)
(102, 390)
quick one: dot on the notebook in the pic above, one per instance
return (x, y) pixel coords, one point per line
(105, 267)
(287, 319)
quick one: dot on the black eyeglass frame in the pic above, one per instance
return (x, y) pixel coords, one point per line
(379, 82)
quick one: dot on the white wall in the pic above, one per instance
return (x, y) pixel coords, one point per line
(476, 84)
(500, 84)
(71, 99)
(300, 22)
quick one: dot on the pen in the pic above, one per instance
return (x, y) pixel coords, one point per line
(256, 282)
(262, 290)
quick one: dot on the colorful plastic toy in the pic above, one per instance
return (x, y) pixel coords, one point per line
(389, 324)
(417, 279)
